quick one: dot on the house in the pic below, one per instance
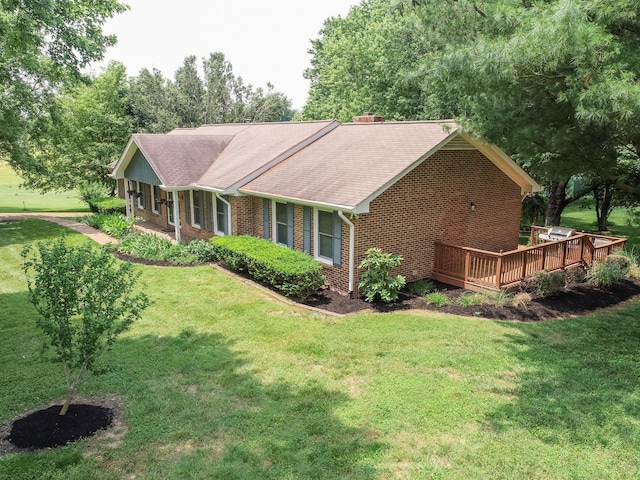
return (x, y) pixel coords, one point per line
(332, 190)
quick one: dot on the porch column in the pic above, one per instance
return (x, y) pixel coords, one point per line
(176, 215)
(127, 198)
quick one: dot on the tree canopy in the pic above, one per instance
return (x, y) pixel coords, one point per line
(42, 45)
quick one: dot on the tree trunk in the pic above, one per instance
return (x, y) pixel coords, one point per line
(603, 206)
(556, 202)
(67, 402)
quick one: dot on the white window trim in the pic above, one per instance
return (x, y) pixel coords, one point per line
(170, 209)
(216, 229)
(154, 205)
(193, 217)
(274, 224)
(140, 197)
(316, 237)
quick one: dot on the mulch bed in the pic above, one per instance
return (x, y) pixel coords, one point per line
(45, 428)
(577, 300)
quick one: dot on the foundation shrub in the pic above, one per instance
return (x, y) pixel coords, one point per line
(437, 299)
(575, 276)
(521, 299)
(545, 284)
(420, 288)
(114, 224)
(293, 273)
(376, 282)
(609, 272)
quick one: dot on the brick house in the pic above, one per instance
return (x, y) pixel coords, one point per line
(332, 190)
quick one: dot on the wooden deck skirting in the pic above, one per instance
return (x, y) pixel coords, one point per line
(483, 270)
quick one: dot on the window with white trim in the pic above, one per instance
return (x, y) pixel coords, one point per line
(196, 208)
(324, 236)
(221, 216)
(140, 194)
(170, 209)
(155, 196)
(282, 224)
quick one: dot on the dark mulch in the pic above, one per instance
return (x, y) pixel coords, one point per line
(45, 428)
(577, 300)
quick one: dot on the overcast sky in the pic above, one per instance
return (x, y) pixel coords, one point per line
(265, 41)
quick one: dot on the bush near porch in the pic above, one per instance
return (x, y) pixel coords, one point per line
(293, 273)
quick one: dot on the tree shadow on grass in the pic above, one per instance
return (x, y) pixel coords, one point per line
(194, 410)
(23, 231)
(580, 383)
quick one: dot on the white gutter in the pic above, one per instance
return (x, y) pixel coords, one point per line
(228, 216)
(351, 249)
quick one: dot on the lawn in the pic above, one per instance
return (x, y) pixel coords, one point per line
(14, 198)
(220, 380)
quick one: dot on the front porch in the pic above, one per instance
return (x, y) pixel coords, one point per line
(481, 270)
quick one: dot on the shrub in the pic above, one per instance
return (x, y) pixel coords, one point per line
(203, 252)
(521, 300)
(89, 191)
(109, 205)
(545, 283)
(437, 299)
(152, 247)
(293, 273)
(376, 282)
(420, 288)
(634, 267)
(469, 299)
(114, 224)
(575, 276)
(611, 271)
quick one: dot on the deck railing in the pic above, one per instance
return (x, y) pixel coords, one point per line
(481, 269)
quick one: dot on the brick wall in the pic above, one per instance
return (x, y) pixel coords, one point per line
(432, 203)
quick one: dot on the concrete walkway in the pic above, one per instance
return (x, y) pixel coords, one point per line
(58, 217)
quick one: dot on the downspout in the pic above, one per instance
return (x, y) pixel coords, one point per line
(176, 215)
(352, 242)
(228, 204)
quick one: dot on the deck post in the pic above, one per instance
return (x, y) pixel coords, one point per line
(565, 246)
(467, 264)
(499, 271)
(524, 266)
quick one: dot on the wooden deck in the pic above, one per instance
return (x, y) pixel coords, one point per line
(482, 270)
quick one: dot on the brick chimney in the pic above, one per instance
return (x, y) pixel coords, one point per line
(368, 117)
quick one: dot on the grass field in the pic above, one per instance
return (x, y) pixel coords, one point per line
(14, 198)
(219, 380)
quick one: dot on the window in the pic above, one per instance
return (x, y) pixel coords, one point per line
(221, 217)
(170, 209)
(155, 196)
(281, 223)
(325, 235)
(140, 194)
(328, 237)
(196, 208)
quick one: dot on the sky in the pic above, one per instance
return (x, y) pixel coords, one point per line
(265, 41)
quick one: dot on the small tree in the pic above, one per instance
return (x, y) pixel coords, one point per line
(376, 282)
(84, 299)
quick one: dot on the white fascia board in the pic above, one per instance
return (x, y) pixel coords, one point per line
(210, 189)
(298, 201)
(282, 157)
(506, 164)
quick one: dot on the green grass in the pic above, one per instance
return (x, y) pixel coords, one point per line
(219, 380)
(15, 199)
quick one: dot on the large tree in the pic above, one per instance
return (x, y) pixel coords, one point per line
(42, 45)
(554, 83)
(86, 129)
(362, 62)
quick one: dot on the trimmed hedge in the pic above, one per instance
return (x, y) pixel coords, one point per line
(293, 273)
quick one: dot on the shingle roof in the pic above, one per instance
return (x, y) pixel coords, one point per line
(179, 160)
(353, 163)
